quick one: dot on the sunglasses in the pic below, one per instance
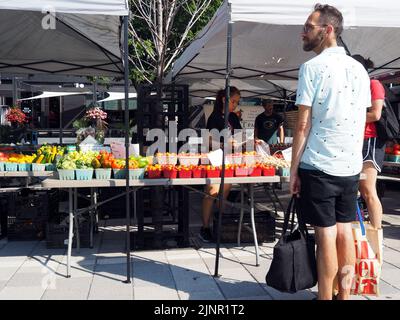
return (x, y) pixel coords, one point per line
(308, 27)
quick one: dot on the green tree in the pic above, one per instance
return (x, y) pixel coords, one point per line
(160, 30)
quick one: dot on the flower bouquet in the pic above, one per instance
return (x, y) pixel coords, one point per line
(16, 117)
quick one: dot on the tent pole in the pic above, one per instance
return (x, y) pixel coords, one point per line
(95, 90)
(226, 116)
(127, 143)
(61, 126)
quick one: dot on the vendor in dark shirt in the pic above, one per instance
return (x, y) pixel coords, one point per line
(217, 121)
(267, 123)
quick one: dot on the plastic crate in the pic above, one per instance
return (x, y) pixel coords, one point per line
(213, 173)
(241, 172)
(185, 174)
(38, 167)
(24, 167)
(170, 174)
(154, 174)
(392, 158)
(119, 173)
(84, 174)
(36, 205)
(65, 174)
(25, 229)
(102, 174)
(229, 173)
(10, 166)
(136, 174)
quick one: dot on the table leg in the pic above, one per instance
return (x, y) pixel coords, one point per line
(241, 214)
(78, 240)
(96, 210)
(91, 213)
(253, 224)
(70, 233)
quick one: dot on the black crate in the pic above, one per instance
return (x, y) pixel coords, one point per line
(265, 227)
(36, 205)
(25, 229)
(56, 235)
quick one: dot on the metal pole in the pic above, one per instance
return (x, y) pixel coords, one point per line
(226, 114)
(127, 143)
(61, 126)
(70, 230)
(95, 90)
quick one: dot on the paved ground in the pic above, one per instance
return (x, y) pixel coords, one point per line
(30, 271)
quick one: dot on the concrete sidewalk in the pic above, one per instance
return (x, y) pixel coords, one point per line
(30, 271)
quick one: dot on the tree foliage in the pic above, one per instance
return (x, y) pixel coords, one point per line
(160, 30)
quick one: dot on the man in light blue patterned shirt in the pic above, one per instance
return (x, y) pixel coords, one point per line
(333, 96)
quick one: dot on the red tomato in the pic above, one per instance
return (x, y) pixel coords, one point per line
(396, 152)
(396, 147)
(388, 150)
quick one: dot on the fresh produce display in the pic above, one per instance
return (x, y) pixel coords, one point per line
(17, 158)
(241, 164)
(77, 160)
(48, 154)
(392, 153)
(276, 162)
(166, 158)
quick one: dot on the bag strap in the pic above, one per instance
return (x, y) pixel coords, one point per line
(360, 219)
(288, 214)
(302, 225)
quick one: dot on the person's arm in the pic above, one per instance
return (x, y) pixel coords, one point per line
(374, 113)
(377, 97)
(300, 135)
(281, 134)
(257, 140)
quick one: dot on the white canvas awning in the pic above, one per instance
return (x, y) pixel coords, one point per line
(80, 37)
(49, 94)
(266, 39)
(117, 96)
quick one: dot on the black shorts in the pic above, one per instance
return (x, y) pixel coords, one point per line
(374, 151)
(325, 199)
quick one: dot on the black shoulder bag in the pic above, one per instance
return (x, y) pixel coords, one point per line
(293, 266)
(387, 126)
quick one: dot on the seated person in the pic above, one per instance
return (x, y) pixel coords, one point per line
(267, 123)
(216, 121)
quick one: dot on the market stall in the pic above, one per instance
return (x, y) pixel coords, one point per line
(85, 37)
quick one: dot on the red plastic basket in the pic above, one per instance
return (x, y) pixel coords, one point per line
(154, 174)
(229, 173)
(185, 174)
(241, 172)
(268, 172)
(197, 173)
(255, 172)
(170, 174)
(214, 173)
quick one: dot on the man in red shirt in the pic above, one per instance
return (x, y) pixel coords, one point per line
(373, 149)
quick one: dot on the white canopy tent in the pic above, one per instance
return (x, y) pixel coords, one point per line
(50, 94)
(112, 96)
(74, 37)
(80, 37)
(266, 42)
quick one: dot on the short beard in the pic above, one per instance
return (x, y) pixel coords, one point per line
(310, 46)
